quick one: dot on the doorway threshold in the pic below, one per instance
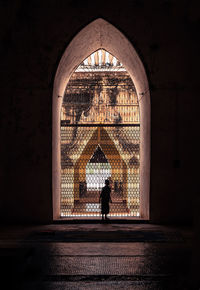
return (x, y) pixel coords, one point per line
(97, 220)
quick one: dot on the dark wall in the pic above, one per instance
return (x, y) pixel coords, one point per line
(34, 35)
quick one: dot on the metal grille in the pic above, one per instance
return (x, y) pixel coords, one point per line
(100, 152)
(100, 139)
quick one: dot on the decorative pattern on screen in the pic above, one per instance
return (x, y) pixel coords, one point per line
(100, 139)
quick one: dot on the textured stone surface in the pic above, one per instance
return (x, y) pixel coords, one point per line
(31, 264)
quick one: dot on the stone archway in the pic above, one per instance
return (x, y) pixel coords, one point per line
(101, 34)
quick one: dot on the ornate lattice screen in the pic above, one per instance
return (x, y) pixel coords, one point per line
(100, 138)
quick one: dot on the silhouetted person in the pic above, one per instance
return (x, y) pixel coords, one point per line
(121, 188)
(105, 199)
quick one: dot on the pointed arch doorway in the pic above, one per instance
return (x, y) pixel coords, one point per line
(101, 34)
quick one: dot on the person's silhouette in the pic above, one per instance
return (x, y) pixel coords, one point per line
(105, 199)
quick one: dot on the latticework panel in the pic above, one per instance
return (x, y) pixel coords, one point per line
(100, 138)
(91, 154)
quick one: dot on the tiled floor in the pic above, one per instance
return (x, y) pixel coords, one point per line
(49, 263)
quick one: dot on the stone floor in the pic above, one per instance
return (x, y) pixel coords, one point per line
(95, 256)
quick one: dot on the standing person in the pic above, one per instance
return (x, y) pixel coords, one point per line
(105, 199)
